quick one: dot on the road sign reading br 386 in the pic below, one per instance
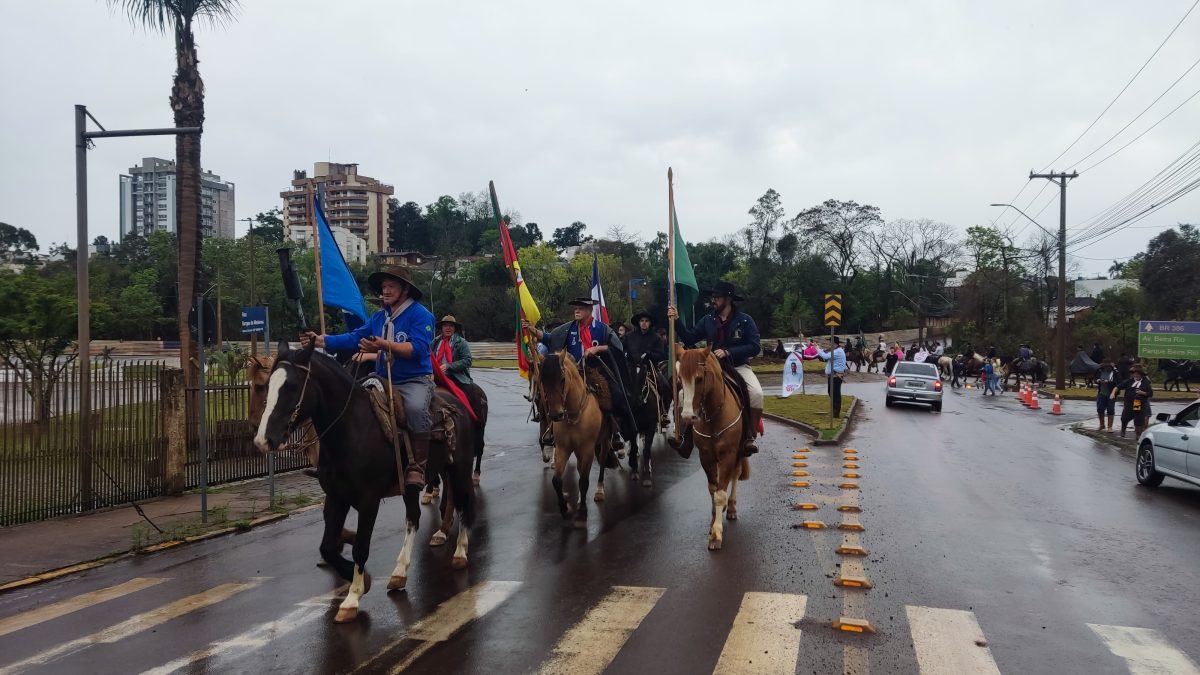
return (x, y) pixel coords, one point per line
(833, 309)
(1169, 339)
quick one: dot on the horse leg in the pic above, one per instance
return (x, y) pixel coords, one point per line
(647, 474)
(412, 512)
(560, 465)
(584, 463)
(447, 506)
(717, 530)
(634, 456)
(731, 511)
(331, 542)
(585, 478)
(348, 610)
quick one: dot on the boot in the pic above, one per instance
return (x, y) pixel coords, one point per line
(416, 471)
(684, 445)
(751, 447)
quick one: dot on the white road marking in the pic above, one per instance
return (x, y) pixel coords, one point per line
(1145, 651)
(590, 645)
(949, 642)
(764, 638)
(448, 619)
(135, 624)
(35, 616)
(258, 636)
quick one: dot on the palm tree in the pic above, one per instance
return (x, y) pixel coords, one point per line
(187, 102)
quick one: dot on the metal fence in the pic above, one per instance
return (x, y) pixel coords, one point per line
(43, 474)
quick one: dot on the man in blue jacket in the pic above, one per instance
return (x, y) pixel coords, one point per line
(400, 333)
(732, 336)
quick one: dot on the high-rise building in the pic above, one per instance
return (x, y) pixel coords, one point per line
(352, 201)
(148, 200)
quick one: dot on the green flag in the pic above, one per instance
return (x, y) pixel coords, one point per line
(687, 291)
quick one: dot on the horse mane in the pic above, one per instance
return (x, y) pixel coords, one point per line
(322, 361)
(551, 368)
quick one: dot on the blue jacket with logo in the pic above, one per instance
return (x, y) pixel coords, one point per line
(740, 339)
(413, 325)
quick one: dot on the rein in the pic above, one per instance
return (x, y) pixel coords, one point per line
(300, 401)
(703, 413)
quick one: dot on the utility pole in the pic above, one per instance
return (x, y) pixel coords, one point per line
(1060, 325)
(253, 291)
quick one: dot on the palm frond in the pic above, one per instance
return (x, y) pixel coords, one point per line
(168, 15)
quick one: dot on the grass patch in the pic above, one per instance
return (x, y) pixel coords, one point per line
(814, 366)
(1085, 394)
(506, 364)
(811, 409)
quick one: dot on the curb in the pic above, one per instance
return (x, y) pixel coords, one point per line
(60, 572)
(847, 423)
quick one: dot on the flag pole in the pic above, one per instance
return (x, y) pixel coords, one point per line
(317, 262)
(523, 335)
(671, 291)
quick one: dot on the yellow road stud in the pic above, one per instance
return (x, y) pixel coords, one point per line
(850, 451)
(853, 625)
(850, 474)
(799, 456)
(849, 486)
(852, 582)
(806, 506)
(799, 465)
(847, 508)
(852, 527)
(799, 483)
(851, 550)
(799, 473)
(849, 465)
(801, 449)
(812, 525)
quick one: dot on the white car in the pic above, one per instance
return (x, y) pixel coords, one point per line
(1170, 448)
(915, 383)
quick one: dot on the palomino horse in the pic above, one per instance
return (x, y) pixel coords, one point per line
(709, 405)
(580, 427)
(357, 466)
(877, 357)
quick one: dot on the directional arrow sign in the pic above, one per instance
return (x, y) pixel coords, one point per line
(833, 309)
(1169, 339)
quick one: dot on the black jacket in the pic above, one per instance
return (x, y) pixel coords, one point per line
(740, 337)
(649, 344)
(1131, 392)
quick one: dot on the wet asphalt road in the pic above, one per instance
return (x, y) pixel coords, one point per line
(995, 538)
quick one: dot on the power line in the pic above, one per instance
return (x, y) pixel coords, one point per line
(1123, 89)
(1178, 194)
(1148, 129)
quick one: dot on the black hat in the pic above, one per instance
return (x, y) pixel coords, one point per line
(396, 274)
(837, 340)
(582, 302)
(724, 288)
(642, 315)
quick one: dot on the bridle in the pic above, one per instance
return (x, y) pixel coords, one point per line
(698, 383)
(295, 416)
(583, 400)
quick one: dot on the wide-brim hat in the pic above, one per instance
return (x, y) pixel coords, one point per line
(724, 288)
(582, 302)
(449, 319)
(1137, 368)
(642, 315)
(395, 273)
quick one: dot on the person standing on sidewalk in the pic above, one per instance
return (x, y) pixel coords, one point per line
(835, 371)
(1106, 402)
(1137, 400)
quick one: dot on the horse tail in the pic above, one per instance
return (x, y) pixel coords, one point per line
(744, 474)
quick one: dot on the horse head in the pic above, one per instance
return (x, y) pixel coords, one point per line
(289, 398)
(258, 372)
(557, 374)
(694, 372)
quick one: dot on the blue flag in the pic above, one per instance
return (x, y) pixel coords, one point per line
(338, 288)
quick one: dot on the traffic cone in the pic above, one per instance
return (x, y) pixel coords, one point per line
(1034, 405)
(1024, 395)
(1056, 409)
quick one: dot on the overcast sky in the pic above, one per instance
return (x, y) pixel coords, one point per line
(575, 110)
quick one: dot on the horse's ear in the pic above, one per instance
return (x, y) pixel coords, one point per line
(283, 347)
(304, 356)
(706, 351)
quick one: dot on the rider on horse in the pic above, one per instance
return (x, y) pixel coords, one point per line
(643, 344)
(731, 335)
(588, 339)
(401, 332)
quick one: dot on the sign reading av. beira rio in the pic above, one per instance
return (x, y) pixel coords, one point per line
(1169, 339)
(254, 319)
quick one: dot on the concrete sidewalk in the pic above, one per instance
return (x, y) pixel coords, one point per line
(37, 548)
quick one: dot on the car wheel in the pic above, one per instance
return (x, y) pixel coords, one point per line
(937, 407)
(1146, 475)
(888, 401)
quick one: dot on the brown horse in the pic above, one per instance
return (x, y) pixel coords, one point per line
(709, 405)
(580, 428)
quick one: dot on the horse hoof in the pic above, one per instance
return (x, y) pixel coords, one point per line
(599, 496)
(321, 563)
(346, 615)
(458, 562)
(714, 544)
(475, 479)
(397, 583)
(426, 498)
(620, 454)
(366, 583)
(731, 515)
(633, 476)
(647, 483)
(438, 539)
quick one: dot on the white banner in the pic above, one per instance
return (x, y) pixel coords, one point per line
(793, 374)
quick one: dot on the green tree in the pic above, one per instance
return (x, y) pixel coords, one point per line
(37, 322)
(187, 103)
(1170, 273)
(268, 227)
(16, 239)
(571, 235)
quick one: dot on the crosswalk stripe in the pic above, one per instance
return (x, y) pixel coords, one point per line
(448, 619)
(258, 636)
(949, 642)
(136, 624)
(764, 637)
(1145, 651)
(43, 614)
(590, 645)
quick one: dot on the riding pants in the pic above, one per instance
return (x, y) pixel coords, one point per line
(415, 395)
(752, 385)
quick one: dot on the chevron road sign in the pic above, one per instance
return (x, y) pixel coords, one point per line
(833, 309)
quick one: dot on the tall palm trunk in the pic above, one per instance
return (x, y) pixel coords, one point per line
(187, 100)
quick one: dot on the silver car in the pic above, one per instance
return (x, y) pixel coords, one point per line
(1171, 448)
(915, 383)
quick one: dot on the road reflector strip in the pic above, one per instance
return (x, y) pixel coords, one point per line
(850, 474)
(850, 508)
(799, 473)
(849, 486)
(799, 465)
(949, 641)
(765, 636)
(848, 581)
(806, 506)
(799, 483)
(849, 625)
(1144, 650)
(851, 549)
(589, 646)
(852, 527)
(812, 525)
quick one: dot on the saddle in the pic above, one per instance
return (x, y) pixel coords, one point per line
(443, 412)
(598, 385)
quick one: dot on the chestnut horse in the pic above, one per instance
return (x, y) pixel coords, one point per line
(710, 406)
(580, 428)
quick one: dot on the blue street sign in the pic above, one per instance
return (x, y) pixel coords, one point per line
(633, 295)
(1175, 327)
(254, 320)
